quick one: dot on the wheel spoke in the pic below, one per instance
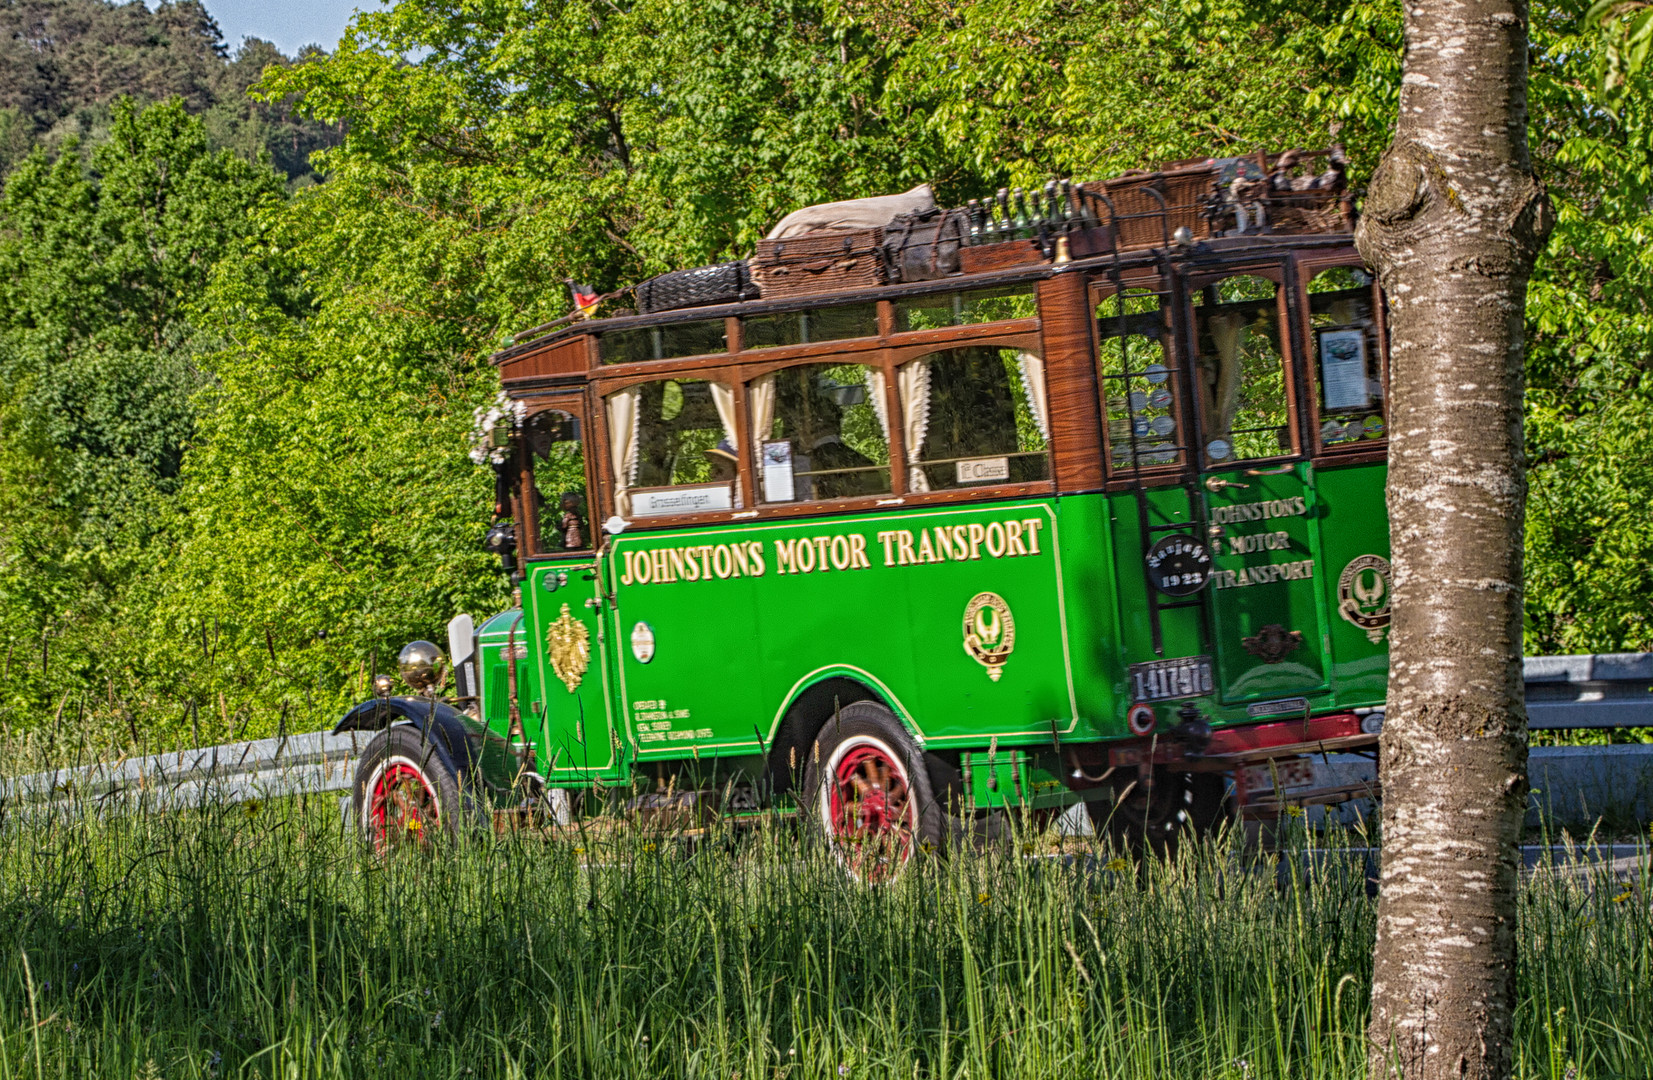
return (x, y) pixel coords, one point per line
(872, 820)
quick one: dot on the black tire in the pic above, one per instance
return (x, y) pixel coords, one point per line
(867, 792)
(409, 791)
(1178, 806)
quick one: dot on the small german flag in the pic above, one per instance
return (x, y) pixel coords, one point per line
(585, 298)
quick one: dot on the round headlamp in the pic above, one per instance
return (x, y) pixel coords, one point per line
(421, 665)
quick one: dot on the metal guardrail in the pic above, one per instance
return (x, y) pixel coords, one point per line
(1607, 690)
(231, 773)
(1563, 692)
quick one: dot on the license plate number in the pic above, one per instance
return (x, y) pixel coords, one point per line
(1161, 680)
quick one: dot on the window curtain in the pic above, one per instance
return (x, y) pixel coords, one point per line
(1227, 332)
(760, 405)
(880, 403)
(624, 416)
(1033, 382)
(913, 380)
(723, 397)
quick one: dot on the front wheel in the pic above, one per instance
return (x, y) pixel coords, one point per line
(408, 790)
(868, 790)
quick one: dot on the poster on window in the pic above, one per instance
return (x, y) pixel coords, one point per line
(1343, 370)
(777, 471)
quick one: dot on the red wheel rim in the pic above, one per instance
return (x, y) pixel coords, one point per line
(402, 807)
(871, 810)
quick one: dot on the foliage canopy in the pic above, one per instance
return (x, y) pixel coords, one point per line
(292, 397)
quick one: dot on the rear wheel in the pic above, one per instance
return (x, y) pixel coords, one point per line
(867, 788)
(1158, 816)
(408, 790)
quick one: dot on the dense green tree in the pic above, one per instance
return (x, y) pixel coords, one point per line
(97, 368)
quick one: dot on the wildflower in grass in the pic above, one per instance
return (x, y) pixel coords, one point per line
(251, 807)
(1294, 811)
(843, 1070)
(981, 898)
(1117, 864)
(416, 826)
(1625, 895)
(579, 851)
(649, 847)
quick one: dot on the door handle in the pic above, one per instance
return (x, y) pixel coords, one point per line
(1217, 483)
(1276, 471)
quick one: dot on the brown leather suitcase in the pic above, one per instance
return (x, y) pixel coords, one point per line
(829, 260)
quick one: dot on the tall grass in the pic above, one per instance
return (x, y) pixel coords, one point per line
(260, 940)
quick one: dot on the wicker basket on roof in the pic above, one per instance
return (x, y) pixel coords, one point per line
(1149, 207)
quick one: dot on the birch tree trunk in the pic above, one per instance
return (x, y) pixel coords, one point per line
(1452, 222)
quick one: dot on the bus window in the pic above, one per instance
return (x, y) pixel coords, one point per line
(976, 415)
(936, 310)
(663, 342)
(1139, 384)
(671, 446)
(1242, 376)
(819, 431)
(806, 327)
(556, 458)
(1348, 367)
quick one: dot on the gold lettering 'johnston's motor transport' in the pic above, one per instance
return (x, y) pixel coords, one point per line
(827, 552)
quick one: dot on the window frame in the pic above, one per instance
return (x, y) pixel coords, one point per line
(1284, 294)
(868, 358)
(658, 371)
(738, 369)
(1307, 266)
(575, 403)
(896, 357)
(1121, 477)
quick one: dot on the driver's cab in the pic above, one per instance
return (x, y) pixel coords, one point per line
(1244, 410)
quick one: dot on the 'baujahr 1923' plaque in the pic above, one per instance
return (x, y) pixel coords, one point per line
(1179, 565)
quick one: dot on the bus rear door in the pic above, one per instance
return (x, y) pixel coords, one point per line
(1268, 617)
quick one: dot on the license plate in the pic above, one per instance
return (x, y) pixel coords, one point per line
(1292, 774)
(1162, 680)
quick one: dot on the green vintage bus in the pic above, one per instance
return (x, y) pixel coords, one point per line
(1103, 529)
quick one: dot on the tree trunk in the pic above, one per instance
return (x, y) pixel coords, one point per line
(1452, 222)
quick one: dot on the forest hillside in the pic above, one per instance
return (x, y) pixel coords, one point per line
(247, 302)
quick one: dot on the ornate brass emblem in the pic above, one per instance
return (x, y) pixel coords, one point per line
(568, 643)
(1273, 643)
(1363, 595)
(989, 632)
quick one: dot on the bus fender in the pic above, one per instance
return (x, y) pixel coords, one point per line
(455, 731)
(808, 708)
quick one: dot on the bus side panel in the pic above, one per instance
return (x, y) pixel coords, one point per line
(1354, 539)
(945, 609)
(1091, 598)
(897, 606)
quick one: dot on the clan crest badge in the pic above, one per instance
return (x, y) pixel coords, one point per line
(568, 645)
(1363, 595)
(989, 632)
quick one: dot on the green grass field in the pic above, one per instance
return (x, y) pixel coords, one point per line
(261, 940)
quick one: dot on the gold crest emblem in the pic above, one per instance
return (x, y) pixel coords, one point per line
(989, 632)
(568, 643)
(1363, 595)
